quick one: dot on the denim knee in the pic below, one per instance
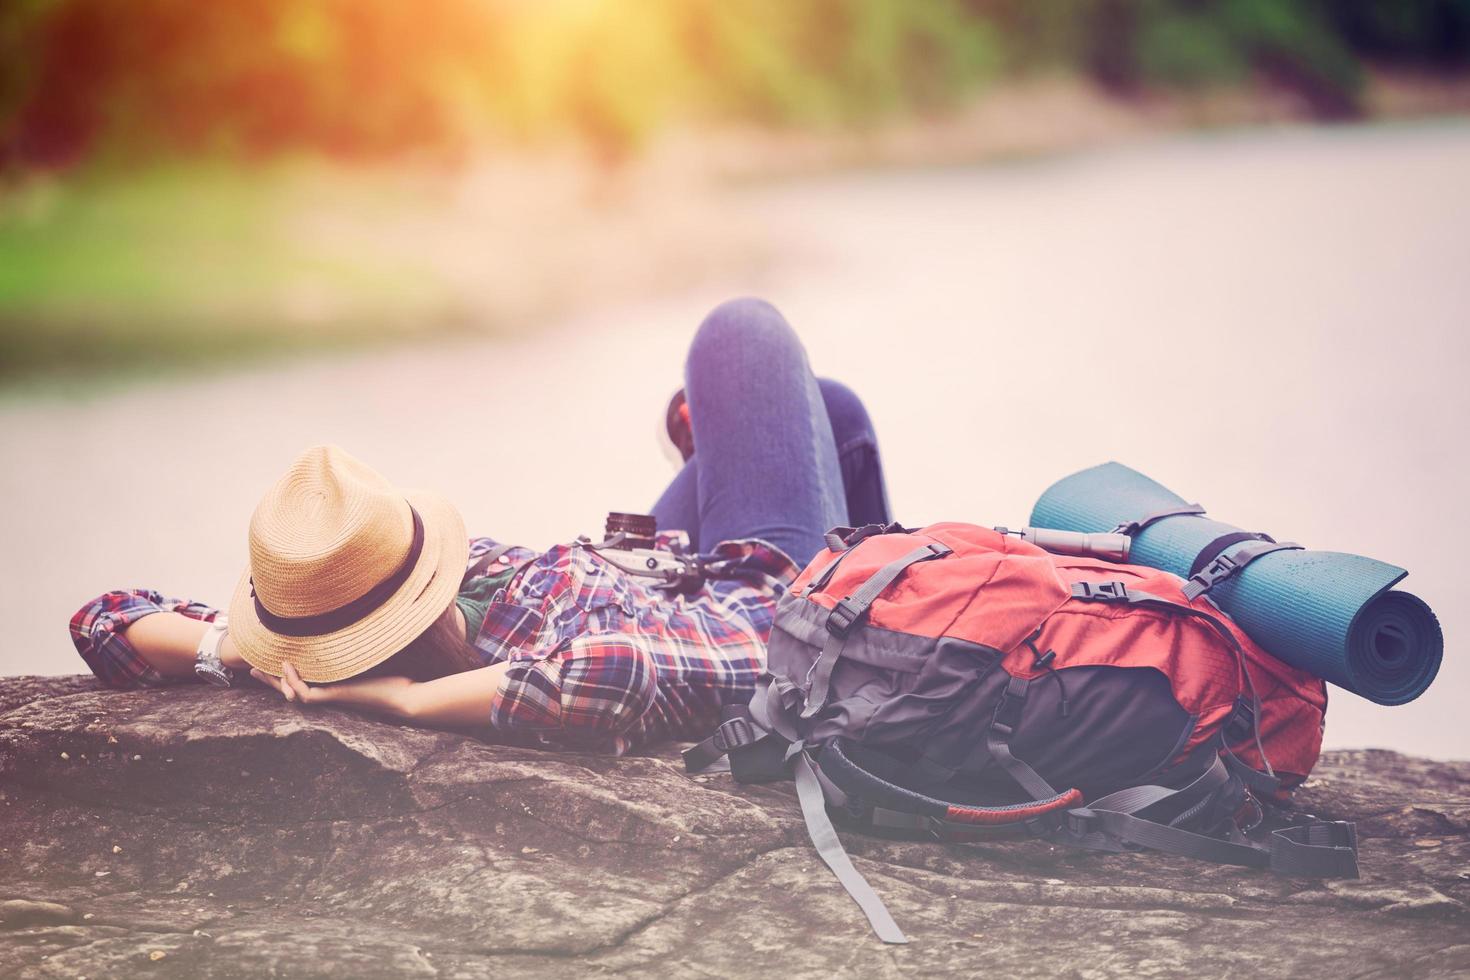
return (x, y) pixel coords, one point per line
(745, 328)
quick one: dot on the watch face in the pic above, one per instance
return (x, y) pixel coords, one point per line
(216, 675)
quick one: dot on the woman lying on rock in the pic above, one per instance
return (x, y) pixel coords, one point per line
(362, 595)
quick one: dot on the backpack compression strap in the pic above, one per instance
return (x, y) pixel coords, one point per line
(1132, 528)
(1226, 564)
(1213, 565)
(841, 541)
(754, 736)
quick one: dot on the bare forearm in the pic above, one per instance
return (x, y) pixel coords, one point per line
(388, 696)
(457, 701)
(168, 641)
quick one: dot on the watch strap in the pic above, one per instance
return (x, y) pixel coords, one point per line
(207, 663)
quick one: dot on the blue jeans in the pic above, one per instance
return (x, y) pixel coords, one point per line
(779, 455)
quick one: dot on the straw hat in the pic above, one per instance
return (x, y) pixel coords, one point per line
(345, 569)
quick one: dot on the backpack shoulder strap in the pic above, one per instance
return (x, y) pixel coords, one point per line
(1148, 816)
(859, 782)
(852, 608)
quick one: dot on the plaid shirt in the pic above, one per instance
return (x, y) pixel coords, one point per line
(599, 658)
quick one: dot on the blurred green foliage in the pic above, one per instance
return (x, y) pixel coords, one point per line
(127, 79)
(130, 78)
(192, 266)
(1318, 47)
(155, 251)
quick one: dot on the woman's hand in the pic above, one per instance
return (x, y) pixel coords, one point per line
(291, 686)
(383, 695)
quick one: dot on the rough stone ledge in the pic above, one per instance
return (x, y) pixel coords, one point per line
(190, 833)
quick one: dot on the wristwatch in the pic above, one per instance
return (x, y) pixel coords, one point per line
(207, 663)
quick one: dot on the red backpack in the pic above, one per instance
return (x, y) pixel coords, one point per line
(953, 683)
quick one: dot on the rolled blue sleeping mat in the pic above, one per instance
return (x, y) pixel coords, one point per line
(1328, 613)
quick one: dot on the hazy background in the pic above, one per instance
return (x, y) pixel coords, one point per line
(1224, 242)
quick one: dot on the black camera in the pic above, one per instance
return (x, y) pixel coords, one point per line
(630, 545)
(638, 530)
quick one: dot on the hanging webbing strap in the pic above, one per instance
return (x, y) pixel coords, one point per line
(1117, 820)
(848, 611)
(1131, 528)
(1228, 564)
(998, 740)
(830, 849)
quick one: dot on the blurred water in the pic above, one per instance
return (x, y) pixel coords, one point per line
(1273, 323)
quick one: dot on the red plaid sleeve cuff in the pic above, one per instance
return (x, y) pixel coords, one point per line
(586, 694)
(96, 631)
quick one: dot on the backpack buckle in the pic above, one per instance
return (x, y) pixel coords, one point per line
(1007, 715)
(735, 733)
(1333, 833)
(843, 615)
(1211, 575)
(1241, 725)
(1113, 591)
(1080, 822)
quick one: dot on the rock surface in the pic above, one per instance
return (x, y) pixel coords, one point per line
(191, 833)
